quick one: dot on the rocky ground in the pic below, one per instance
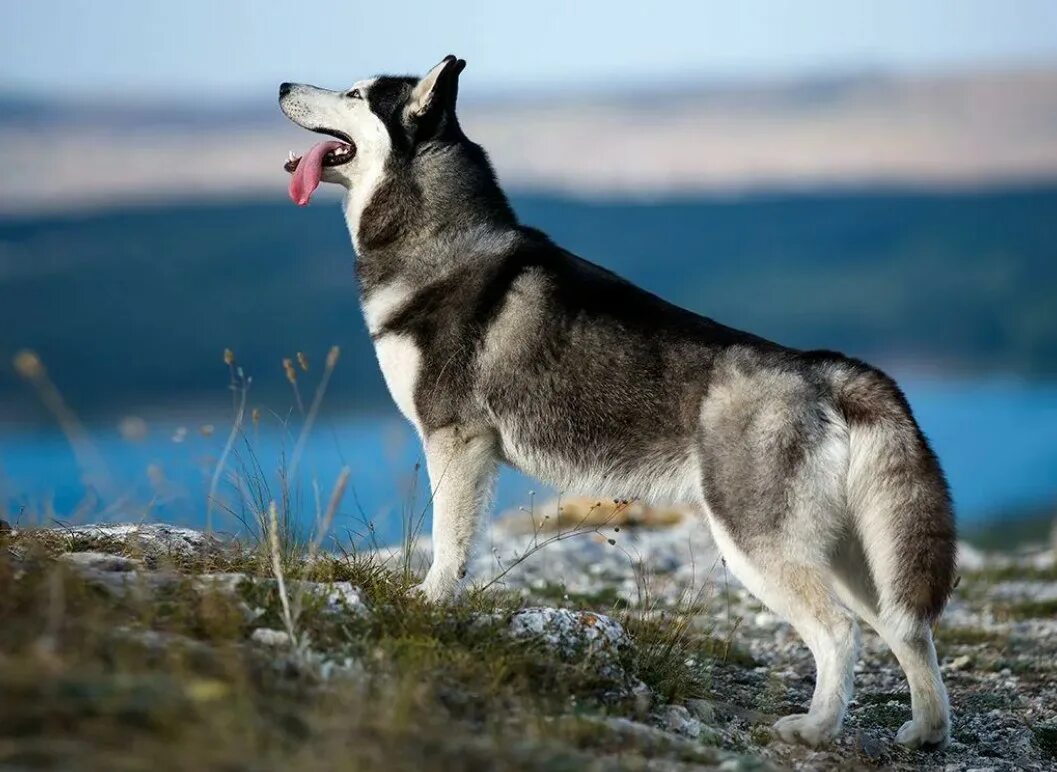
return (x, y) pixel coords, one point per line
(997, 639)
(598, 637)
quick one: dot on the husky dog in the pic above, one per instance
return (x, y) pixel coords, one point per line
(500, 346)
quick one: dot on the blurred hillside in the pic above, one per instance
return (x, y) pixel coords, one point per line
(131, 308)
(963, 129)
(908, 220)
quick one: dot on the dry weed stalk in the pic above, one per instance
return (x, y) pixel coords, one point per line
(241, 386)
(322, 529)
(30, 367)
(277, 570)
(585, 526)
(313, 411)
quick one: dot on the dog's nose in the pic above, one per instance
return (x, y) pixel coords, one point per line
(284, 89)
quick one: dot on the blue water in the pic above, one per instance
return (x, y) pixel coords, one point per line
(997, 441)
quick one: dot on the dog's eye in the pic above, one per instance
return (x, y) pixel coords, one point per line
(354, 94)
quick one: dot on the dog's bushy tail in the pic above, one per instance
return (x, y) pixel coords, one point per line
(898, 499)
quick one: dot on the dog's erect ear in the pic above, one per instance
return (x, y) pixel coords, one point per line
(437, 91)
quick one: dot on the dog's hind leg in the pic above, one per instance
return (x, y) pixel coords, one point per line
(773, 465)
(462, 468)
(898, 565)
(909, 639)
(930, 722)
(801, 590)
(911, 642)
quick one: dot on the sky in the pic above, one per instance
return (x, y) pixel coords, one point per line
(226, 47)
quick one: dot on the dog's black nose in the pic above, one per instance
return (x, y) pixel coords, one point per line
(284, 89)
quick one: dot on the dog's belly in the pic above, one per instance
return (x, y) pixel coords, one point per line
(658, 477)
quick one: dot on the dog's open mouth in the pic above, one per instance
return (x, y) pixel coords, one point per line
(307, 170)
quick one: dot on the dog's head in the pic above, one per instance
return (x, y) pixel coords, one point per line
(372, 120)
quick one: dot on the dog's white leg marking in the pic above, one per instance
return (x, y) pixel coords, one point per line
(398, 356)
(399, 359)
(929, 726)
(911, 642)
(462, 469)
(803, 594)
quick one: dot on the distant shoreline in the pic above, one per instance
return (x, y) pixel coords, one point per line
(959, 130)
(13, 213)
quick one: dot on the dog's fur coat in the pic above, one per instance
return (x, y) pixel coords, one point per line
(499, 346)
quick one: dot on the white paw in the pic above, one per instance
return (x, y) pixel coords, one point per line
(922, 736)
(438, 586)
(806, 729)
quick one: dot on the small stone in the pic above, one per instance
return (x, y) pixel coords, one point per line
(960, 663)
(101, 561)
(265, 636)
(226, 583)
(649, 739)
(576, 635)
(343, 596)
(571, 633)
(702, 710)
(678, 719)
(970, 558)
(766, 619)
(643, 697)
(154, 539)
(739, 765)
(868, 746)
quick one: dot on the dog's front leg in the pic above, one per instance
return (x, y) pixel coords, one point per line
(462, 469)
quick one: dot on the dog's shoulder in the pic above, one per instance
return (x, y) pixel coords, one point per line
(582, 290)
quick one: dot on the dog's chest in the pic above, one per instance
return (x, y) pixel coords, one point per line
(398, 355)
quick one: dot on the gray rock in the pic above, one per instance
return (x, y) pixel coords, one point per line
(227, 583)
(870, 747)
(703, 710)
(342, 596)
(678, 719)
(960, 663)
(154, 539)
(101, 561)
(278, 639)
(117, 575)
(571, 633)
(580, 636)
(648, 738)
(160, 642)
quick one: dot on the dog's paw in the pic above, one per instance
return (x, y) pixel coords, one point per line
(437, 587)
(922, 736)
(806, 729)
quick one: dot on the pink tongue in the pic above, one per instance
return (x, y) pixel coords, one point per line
(309, 172)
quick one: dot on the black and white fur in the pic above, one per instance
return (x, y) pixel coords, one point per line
(499, 346)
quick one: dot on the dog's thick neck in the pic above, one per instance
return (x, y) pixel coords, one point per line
(420, 208)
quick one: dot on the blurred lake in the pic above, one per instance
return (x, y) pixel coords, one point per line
(131, 307)
(995, 438)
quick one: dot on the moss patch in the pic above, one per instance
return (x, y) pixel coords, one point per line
(1046, 738)
(1028, 609)
(605, 599)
